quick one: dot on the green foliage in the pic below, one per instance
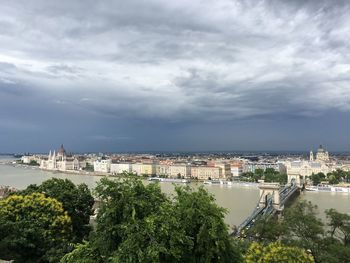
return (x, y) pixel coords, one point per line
(34, 163)
(272, 176)
(122, 203)
(339, 226)
(317, 178)
(338, 176)
(138, 223)
(266, 229)
(333, 251)
(203, 222)
(76, 200)
(33, 228)
(83, 253)
(276, 253)
(249, 177)
(127, 174)
(89, 167)
(301, 228)
(269, 175)
(157, 238)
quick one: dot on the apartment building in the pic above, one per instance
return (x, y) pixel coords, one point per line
(103, 166)
(177, 170)
(118, 168)
(206, 172)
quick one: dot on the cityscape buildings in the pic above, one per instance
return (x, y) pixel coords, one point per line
(60, 161)
(201, 167)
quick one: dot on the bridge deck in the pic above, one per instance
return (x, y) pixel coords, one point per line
(285, 193)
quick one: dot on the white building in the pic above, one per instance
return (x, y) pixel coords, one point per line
(321, 155)
(236, 170)
(206, 172)
(60, 161)
(119, 168)
(252, 166)
(136, 168)
(102, 166)
(148, 169)
(300, 170)
(163, 170)
(226, 169)
(27, 159)
(177, 170)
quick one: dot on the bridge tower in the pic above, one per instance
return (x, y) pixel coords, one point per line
(296, 178)
(269, 190)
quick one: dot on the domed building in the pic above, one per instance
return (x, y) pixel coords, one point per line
(322, 155)
(304, 168)
(60, 161)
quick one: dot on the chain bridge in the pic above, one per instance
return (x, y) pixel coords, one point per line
(272, 199)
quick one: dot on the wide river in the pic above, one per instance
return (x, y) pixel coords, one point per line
(239, 201)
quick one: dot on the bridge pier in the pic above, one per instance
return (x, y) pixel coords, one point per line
(267, 190)
(298, 179)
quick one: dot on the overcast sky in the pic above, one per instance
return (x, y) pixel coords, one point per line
(174, 75)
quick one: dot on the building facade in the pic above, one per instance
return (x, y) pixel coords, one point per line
(206, 172)
(102, 166)
(179, 170)
(148, 169)
(136, 168)
(226, 169)
(321, 155)
(252, 166)
(119, 168)
(163, 170)
(60, 161)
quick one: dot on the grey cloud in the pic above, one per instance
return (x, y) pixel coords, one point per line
(107, 138)
(62, 68)
(174, 61)
(232, 46)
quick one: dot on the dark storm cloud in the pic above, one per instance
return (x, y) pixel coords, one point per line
(108, 63)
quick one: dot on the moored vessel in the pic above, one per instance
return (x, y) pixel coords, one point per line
(171, 180)
(328, 188)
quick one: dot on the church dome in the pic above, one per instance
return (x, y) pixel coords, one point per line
(320, 148)
(62, 151)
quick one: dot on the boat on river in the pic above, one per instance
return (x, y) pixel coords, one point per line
(328, 188)
(170, 180)
(215, 182)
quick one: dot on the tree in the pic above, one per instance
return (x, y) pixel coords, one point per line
(33, 228)
(303, 228)
(158, 238)
(347, 178)
(317, 178)
(333, 251)
(276, 253)
(76, 200)
(332, 179)
(266, 229)
(34, 163)
(83, 253)
(89, 167)
(123, 204)
(203, 222)
(337, 176)
(339, 224)
(258, 174)
(138, 223)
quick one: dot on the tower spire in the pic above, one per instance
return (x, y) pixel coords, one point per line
(311, 156)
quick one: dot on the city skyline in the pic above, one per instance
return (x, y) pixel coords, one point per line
(174, 76)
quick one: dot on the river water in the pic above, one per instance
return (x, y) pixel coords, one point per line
(238, 200)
